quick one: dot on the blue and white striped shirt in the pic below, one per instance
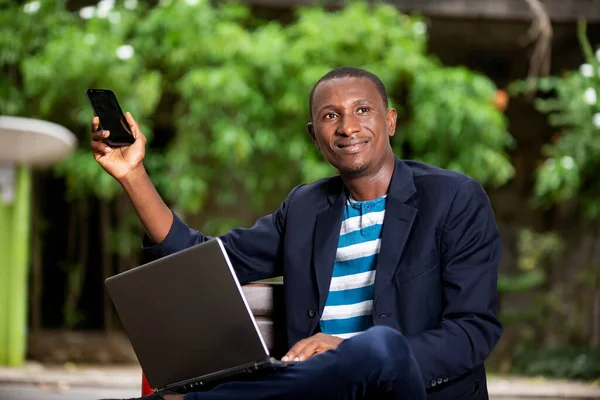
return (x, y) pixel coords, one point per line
(349, 303)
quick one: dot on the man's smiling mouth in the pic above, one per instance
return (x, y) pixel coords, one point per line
(351, 146)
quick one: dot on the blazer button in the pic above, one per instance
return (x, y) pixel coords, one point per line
(439, 381)
(446, 379)
(312, 312)
(433, 383)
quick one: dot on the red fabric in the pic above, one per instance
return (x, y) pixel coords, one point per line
(146, 389)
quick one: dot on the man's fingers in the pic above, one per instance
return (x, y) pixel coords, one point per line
(320, 350)
(308, 351)
(312, 346)
(99, 148)
(302, 350)
(135, 127)
(95, 126)
(295, 350)
(99, 136)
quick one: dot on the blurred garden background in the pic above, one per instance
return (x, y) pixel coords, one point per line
(505, 91)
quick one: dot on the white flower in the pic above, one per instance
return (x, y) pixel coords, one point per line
(419, 28)
(596, 120)
(191, 2)
(32, 7)
(89, 39)
(104, 7)
(114, 17)
(590, 96)
(567, 162)
(598, 54)
(130, 4)
(587, 70)
(125, 52)
(87, 12)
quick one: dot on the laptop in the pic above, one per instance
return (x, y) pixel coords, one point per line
(188, 321)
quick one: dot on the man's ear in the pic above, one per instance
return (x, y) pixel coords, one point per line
(392, 116)
(311, 131)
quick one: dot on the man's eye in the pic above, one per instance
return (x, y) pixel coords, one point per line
(329, 115)
(363, 110)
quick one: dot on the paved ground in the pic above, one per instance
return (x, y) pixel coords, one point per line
(52, 392)
(70, 382)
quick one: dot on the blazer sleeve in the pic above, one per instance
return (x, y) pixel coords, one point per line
(469, 329)
(255, 253)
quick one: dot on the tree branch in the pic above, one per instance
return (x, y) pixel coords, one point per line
(540, 33)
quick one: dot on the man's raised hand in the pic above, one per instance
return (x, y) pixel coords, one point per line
(118, 161)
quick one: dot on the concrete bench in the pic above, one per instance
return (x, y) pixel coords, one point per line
(266, 302)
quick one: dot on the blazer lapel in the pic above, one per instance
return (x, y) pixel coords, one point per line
(327, 233)
(397, 224)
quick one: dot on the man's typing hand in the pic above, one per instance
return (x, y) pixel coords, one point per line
(312, 346)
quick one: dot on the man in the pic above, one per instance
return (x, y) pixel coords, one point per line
(385, 244)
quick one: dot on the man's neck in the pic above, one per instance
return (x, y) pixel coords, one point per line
(370, 186)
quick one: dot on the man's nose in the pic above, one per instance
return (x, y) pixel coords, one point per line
(348, 125)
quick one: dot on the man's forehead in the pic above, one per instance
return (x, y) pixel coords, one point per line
(346, 89)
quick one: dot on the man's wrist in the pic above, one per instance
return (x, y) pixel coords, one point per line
(135, 175)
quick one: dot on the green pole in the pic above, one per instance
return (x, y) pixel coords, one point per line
(5, 264)
(17, 321)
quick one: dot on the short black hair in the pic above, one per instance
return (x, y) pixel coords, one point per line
(350, 72)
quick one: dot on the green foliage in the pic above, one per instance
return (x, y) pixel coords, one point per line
(455, 126)
(570, 170)
(125, 238)
(523, 282)
(536, 252)
(548, 312)
(564, 363)
(232, 93)
(537, 249)
(73, 315)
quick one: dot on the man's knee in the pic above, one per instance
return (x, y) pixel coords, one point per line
(385, 334)
(379, 345)
(380, 360)
(383, 340)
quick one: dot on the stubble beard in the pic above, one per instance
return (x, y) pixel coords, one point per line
(354, 170)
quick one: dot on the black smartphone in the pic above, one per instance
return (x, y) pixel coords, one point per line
(107, 108)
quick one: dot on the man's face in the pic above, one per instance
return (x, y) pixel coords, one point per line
(351, 125)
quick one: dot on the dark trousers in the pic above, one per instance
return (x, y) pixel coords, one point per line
(376, 364)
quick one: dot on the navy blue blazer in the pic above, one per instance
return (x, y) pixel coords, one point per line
(436, 278)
